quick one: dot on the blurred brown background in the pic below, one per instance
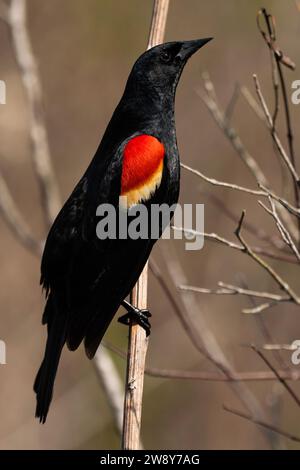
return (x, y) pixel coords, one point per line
(85, 49)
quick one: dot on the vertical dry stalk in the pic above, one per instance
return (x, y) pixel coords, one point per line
(137, 349)
(137, 344)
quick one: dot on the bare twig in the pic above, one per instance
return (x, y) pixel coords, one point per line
(137, 345)
(274, 134)
(15, 221)
(224, 241)
(232, 104)
(209, 98)
(258, 232)
(270, 39)
(280, 59)
(215, 182)
(277, 278)
(264, 424)
(228, 289)
(245, 92)
(41, 158)
(247, 376)
(219, 116)
(280, 347)
(285, 234)
(256, 376)
(264, 192)
(259, 308)
(289, 207)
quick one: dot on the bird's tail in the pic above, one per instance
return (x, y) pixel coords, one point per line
(44, 382)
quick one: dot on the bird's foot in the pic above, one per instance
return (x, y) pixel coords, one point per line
(136, 315)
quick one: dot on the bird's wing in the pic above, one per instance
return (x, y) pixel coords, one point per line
(78, 265)
(75, 224)
(134, 171)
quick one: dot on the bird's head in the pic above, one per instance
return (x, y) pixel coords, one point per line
(160, 67)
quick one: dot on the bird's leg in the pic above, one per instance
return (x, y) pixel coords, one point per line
(137, 315)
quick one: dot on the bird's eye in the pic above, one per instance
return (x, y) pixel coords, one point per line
(165, 57)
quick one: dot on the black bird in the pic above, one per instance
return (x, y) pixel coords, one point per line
(86, 279)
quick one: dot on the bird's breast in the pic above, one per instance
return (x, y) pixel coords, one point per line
(142, 168)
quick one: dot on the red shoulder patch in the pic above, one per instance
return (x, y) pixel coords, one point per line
(143, 157)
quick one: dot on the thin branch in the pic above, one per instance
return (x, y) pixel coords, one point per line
(280, 347)
(256, 376)
(260, 320)
(228, 289)
(222, 184)
(289, 207)
(209, 99)
(278, 57)
(41, 158)
(285, 234)
(269, 38)
(224, 241)
(277, 278)
(264, 424)
(246, 93)
(258, 232)
(273, 132)
(264, 192)
(247, 376)
(232, 104)
(15, 221)
(259, 308)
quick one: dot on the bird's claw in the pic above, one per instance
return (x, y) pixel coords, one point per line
(136, 315)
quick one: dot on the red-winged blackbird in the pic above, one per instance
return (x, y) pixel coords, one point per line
(86, 278)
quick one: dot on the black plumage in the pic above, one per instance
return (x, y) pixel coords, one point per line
(85, 278)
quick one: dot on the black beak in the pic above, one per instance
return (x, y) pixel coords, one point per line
(190, 47)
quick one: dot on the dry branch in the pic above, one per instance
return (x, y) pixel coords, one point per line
(277, 278)
(41, 158)
(274, 134)
(264, 424)
(209, 376)
(209, 98)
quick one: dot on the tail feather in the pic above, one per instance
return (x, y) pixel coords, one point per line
(44, 382)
